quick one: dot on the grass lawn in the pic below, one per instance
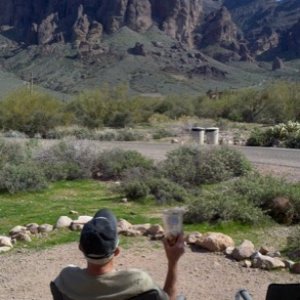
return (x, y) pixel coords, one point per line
(86, 197)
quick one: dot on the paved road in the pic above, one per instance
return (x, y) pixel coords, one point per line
(258, 155)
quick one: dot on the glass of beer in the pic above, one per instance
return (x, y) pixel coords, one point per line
(173, 223)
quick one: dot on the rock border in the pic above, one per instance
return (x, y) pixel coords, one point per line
(266, 258)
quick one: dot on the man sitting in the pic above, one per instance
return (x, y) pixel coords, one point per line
(99, 281)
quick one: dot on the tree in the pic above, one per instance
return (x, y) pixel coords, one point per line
(31, 112)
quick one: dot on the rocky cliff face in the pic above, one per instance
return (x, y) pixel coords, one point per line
(44, 22)
(235, 27)
(292, 41)
(220, 32)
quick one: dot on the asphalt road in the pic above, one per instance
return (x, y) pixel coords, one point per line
(257, 155)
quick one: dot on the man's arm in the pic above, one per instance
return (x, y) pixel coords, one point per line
(173, 253)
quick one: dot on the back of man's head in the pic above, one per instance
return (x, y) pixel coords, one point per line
(99, 237)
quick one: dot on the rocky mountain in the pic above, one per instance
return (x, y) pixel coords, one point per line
(70, 44)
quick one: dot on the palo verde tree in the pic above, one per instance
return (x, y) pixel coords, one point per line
(31, 112)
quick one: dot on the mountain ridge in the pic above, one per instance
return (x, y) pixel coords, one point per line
(167, 40)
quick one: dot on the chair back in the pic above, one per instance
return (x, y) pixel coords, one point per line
(283, 291)
(149, 295)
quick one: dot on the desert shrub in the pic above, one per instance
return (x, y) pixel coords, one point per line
(173, 107)
(284, 134)
(111, 164)
(166, 191)
(90, 108)
(256, 138)
(162, 133)
(234, 161)
(293, 141)
(120, 119)
(106, 135)
(66, 160)
(129, 135)
(25, 176)
(135, 189)
(144, 182)
(14, 134)
(293, 243)
(192, 166)
(261, 192)
(222, 206)
(11, 152)
(31, 113)
(180, 167)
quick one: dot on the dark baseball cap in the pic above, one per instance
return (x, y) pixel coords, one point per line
(99, 236)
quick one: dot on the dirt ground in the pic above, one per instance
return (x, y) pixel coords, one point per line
(26, 275)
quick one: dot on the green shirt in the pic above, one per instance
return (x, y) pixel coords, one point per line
(77, 284)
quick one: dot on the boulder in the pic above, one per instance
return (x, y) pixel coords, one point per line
(45, 228)
(131, 232)
(264, 250)
(245, 263)
(123, 225)
(266, 262)
(155, 229)
(228, 251)
(33, 228)
(84, 219)
(63, 222)
(243, 251)
(281, 210)
(215, 242)
(17, 229)
(76, 226)
(288, 263)
(143, 228)
(22, 236)
(193, 237)
(296, 268)
(5, 249)
(5, 241)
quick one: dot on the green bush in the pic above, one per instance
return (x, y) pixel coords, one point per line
(111, 164)
(135, 189)
(256, 138)
(287, 135)
(166, 191)
(11, 152)
(31, 113)
(143, 182)
(293, 244)
(162, 133)
(191, 167)
(25, 176)
(222, 206)
(260, 191)
(293, 141)
(180, 167)
(66, 160)
(129, 135)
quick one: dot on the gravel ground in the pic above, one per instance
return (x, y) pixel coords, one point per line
(202, 275)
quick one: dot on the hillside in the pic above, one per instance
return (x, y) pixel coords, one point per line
(174, 46)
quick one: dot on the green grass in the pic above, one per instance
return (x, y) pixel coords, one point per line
(86, 197)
